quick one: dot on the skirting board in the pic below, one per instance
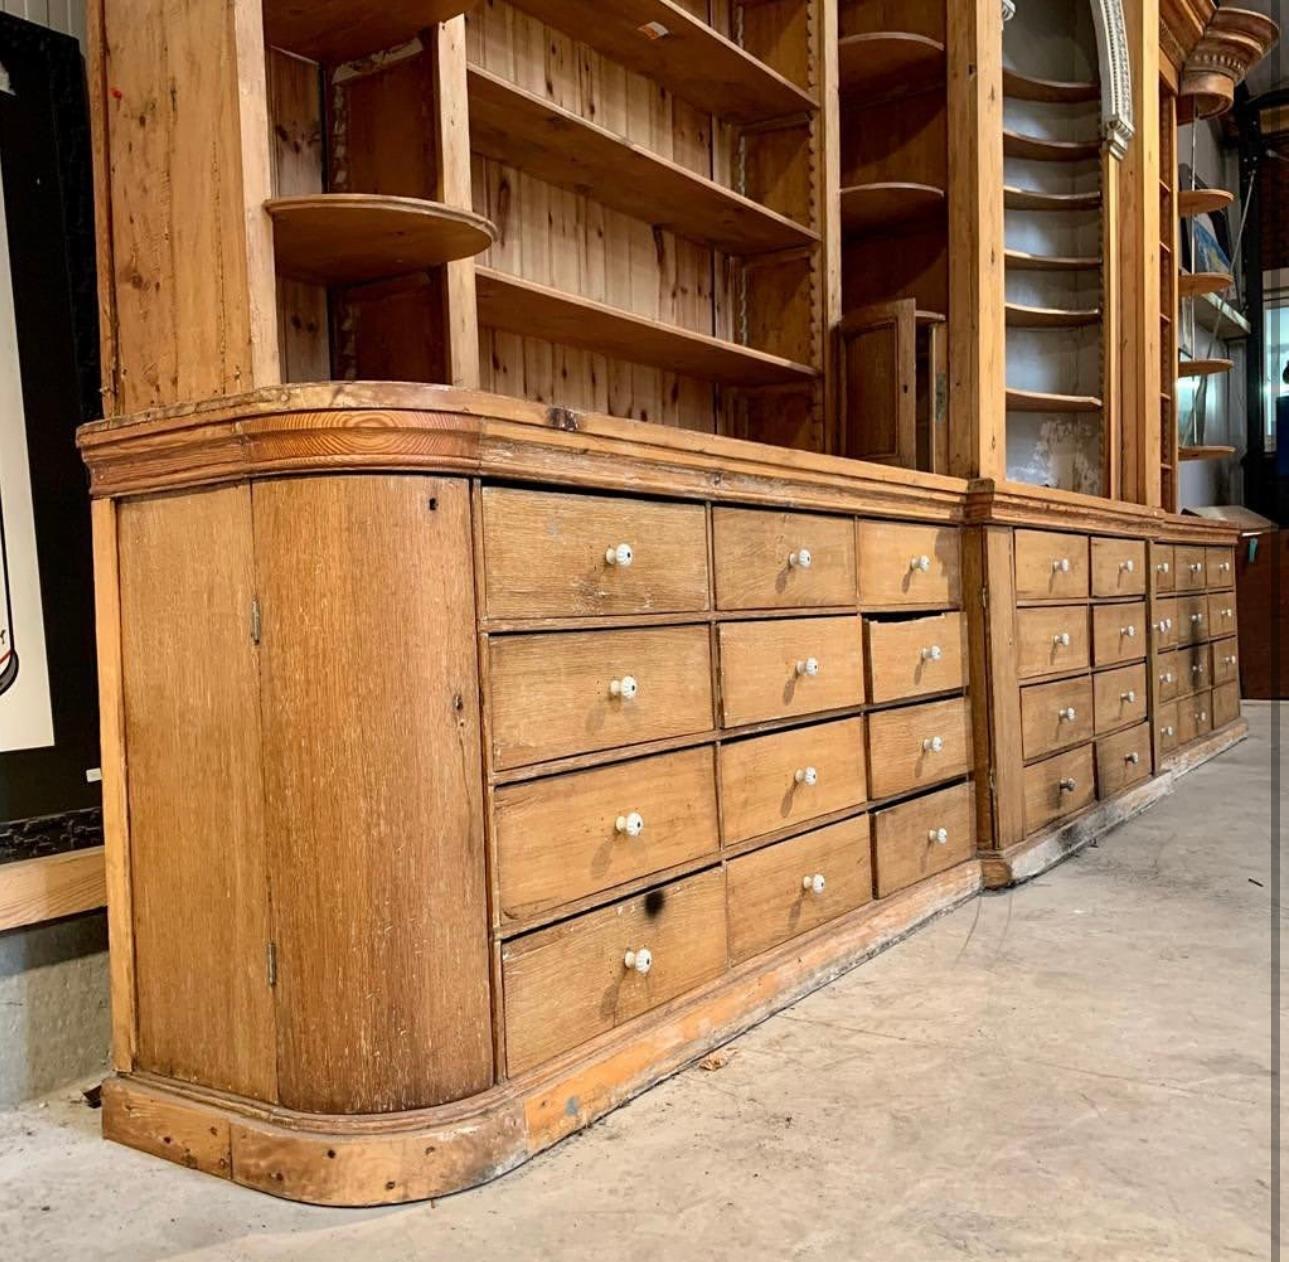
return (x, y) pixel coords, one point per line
(396, 1158)
(1035, 855)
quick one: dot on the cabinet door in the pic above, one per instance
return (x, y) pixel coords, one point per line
(879, 383)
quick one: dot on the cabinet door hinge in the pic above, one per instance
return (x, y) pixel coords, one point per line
(270, 961)
(255, 620)
(984, 596)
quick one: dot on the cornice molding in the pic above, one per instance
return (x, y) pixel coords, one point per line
(1181, 25)
(1233, 42)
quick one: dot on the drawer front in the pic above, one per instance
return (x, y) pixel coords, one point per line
(1053, 716)
(566, 837)
(546, 555)
(1166, 722)
(1123, 760)
(1168, 675)
(909, 565)
(1060, 786)
(1050, 565)
(1225, 662)
(1219, 567)
(1194, 669)
(768, 560)
(910, 659)
(1194, 717)
(775, 894)
(1052, 641)
(773, 782)
(1226, 704)
(775, 669)
(1119, 633)
(920, 838)
(1190, 568)
(1120, 697)
(1118, 567)
(568, 983)
(1192, 619)
(1165, 566)
(555, 695)
(1222, 618)
(918, 745)
(1163, 628)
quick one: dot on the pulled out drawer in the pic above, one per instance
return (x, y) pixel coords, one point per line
(1123, 760)
(915, 657)
(769, 560)
(1058, 787)
(917, 839)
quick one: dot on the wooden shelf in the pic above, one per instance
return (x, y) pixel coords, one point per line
(1020, 261)
(515, 305)
(1031, 199)
(869, 207)
(1210, 452)
(1023, 317)
(692, 59)
(343, 30)
(526, 131)
(1194, 284)
(1202, 201)
(880, 63)
(1216, 315)
(1033, 401)
(349, 238)
(1039, 149)
(1204, 367)
(33, 891)
(1025, 87)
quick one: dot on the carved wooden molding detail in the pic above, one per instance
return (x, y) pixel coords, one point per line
(1234, 41)
(1116, 74)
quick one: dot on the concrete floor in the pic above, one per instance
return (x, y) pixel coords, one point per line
(1076, 1069)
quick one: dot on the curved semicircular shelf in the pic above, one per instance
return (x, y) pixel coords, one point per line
(865, 207)
(350, 238)
(1202, 201)
(1209, 452)
(1204, 367)
(1023, 87)
(1020, 316)
(1193, 284)
(1034, 401)
(333, 31)
(1032, 199)
(881, 61)
(1041, 149)
(1021, 261)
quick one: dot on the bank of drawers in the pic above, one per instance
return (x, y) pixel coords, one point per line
(709, 732)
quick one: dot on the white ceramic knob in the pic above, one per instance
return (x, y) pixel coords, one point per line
(1130, 696)
(1222, 569)
(940, 836)
(1197, 617)
(1062, 566)
(1128, 566)
(1163, 567)
(801, 559)
(809, 667)
(1196, 566)
(807, 776)
(1063, 639)
(1130, 631)
(1196, 668)
(1133, 758)
(1226, 613)
(814, 884)
(1068, 715)
(640, 961)
(1168, 731)
(932, 654)
(631, 825)
(626, 688)
(922, 564)
(1168, 624)
(621, 556)
(1068, 785)
(1229, 659)
(1203, 716)
(933, 744)
(1166, 677)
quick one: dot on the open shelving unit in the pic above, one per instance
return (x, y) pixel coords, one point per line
(1169, 311)
(336, 31)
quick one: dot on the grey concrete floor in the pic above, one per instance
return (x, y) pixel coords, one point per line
(1080, 1068)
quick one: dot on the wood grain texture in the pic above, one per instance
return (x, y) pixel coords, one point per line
(888, 577)
(760, 792)
(1164, 627)
(164, 1126)
(1193, 624)
(345, 30)
(557, 838)
(1045, 722)
(1226, 704)
(1194, 669)
(1166, 676)
(1221, 613)
(544, 555)
(1166, 721)
(768, 903)
(1041, 573)
(198, 868)
(759, 668)
(1163, 560)
(904, 852)
(1119, 633)
(1219, 567)
(902, 659)
(898, 760)
(566, 984)
(33, 891)
(754, 551)
(1118, 567)
(373, 792)
(1194, 717)
(1191, 573)
(1048, 791)
(1120, 697)
(1123, 760)
(1226, 661)
(550, 694)
(1039, 635)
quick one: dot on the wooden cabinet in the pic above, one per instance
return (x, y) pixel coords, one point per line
(910, 659)
(1219, 567)
(1220, 610)
(1058, 787)
(1119, 633)
(769, 560)
(1055, 715)
(1225, 661)
(1051, 566)
(1123, 760)
(1118, 567)
(1121, 697)
(917, 746)
(1052, 641)
(1190, 566)
(920, 838)
(907, 565)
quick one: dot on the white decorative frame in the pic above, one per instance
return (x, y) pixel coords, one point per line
(1116, 75)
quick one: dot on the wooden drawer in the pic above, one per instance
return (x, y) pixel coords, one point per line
(1053, 716)
(766, 668)
(920, 838)
(1225, 662)
(1166, 725)
(772, 893)
(1120, 697)
(1060, 786)
(566, 837)
(544, 555)
(1194, 717)
(1219, 567)
(767, 560)
(909, 565)
(566, 984)
(553, 695)
(1119, 633)
(1123, 760)
(1163, 628)
(1189, 567)
(1226, 704)
(1194, 669)
(1051, 641)
(1118, 567)
(1168, 675)
(1051, 566)
(1165, 566)
(773, 782)
(1192, 619)
(917, 746)
(1221, 615)
(910, 659)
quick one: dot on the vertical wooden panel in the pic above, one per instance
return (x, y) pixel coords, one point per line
(196, 797)
(1112, 420)
(374, 791)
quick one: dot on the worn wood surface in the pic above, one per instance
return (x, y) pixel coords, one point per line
(53, 886)
(1040, 633)
(1046, 722)
(1051, 566)
(1121, 697)
(910, 659)
(905, 851)
(1123, 760)
(1060, 786)
(754, 560)
(1119, 633)
(1118, 567)
(889, 575)
(897, 759)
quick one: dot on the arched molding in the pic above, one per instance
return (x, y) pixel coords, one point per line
(1116, 74)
